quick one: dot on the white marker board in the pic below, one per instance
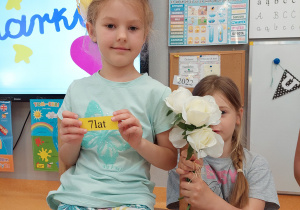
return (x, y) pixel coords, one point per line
(273, 125)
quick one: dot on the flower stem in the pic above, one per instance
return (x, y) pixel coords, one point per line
(190, 152)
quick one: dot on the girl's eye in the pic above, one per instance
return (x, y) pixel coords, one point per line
(223, 112)
(132, 28)
(110, 26)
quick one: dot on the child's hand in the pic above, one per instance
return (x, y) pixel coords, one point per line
(195, 191)
(129, 126)
(185, 166)
(70, 131)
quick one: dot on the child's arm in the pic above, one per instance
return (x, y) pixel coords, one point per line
(200, 196)
(163, 155)
(70, 135)
(197, 192)
(297, 161)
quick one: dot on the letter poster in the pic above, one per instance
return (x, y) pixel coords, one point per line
(208, 22)
(274, 19)
(44, 133)
(6, 138)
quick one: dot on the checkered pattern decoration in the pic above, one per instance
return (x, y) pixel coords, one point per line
(287, 84)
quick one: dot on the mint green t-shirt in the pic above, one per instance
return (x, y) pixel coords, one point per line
(109, 172)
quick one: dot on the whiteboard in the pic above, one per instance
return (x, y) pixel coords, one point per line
(274, 19)
(273, 125)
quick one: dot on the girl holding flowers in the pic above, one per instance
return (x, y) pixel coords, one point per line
(233, 179)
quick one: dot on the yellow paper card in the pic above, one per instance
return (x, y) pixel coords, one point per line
(98, 123)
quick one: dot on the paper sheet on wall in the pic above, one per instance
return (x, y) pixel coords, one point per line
(6, 138)
(44, 133)
(194, 68)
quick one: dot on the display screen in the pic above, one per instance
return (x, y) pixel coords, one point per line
(44, 46)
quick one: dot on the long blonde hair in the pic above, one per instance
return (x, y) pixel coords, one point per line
(208, 86)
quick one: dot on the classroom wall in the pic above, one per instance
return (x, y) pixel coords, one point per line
(158, 69)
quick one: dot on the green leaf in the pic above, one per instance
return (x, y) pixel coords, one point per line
(182, 125)
(200, 127)
(190, 127)
(169, 112)
(190, 152)
(178, 118)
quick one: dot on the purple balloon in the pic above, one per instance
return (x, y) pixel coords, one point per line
(86, 54)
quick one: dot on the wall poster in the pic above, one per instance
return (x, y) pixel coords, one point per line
(208, 22)
(44, 133)
(6, 138)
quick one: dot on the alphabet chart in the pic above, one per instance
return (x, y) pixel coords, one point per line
(208, 22)
(274, 18)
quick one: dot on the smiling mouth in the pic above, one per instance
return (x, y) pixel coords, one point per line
(120, 48)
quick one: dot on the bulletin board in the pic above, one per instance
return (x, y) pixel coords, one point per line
(273, 108)
(232, 65)
(274, 19)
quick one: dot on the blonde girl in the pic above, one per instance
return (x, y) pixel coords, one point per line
(239, 179)
(111, 168)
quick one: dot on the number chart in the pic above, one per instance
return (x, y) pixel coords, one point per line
(208, 22)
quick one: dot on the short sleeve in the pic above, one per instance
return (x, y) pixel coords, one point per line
(261, 183)
(66, 105)
(162, 122)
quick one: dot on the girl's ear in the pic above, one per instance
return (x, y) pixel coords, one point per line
(239, 116)
(91, 31)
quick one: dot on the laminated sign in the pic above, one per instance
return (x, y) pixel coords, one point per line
(6, 138)
(44, 133)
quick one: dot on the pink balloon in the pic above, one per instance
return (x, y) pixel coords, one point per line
(86, 54)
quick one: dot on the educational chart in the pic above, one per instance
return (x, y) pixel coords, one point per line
(6, 138)
(274, 19)
(208, 22)
(44, 133)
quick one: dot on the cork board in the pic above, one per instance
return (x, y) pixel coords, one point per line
(232, 65)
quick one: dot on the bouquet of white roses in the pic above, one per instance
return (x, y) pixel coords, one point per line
(194, 115)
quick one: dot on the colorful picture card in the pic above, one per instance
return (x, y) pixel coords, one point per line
(6, 138)
(44, 133)
(208, 22)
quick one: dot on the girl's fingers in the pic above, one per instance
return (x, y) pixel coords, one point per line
(69, 122)
(181, 171)
(68, 114)
(193, 177)
(72, 130)
(129, 122)
(186, 164)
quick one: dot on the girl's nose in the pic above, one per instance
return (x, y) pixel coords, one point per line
(122, 35)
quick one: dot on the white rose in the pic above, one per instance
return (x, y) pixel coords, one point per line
(201, 110)
(206, 142)
(176, 137)
(177, 98)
